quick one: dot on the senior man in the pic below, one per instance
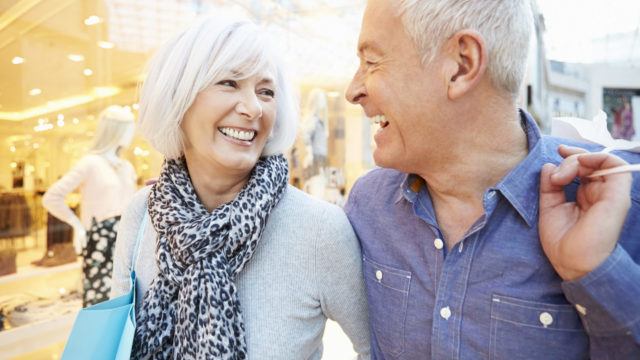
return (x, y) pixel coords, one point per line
(481, 238)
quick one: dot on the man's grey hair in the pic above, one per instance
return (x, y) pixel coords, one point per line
(209, 51)
(505, 25)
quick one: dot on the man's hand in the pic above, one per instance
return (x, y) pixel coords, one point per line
(579, 236)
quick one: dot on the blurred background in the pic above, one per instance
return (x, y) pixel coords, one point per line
(63, 61)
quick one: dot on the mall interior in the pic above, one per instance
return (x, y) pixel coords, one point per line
(62, 62)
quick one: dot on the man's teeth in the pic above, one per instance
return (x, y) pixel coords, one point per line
(238, 134)
(378, 119)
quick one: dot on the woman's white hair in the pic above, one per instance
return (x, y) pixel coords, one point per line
(505, 25)
(209, 51)
(113, 123)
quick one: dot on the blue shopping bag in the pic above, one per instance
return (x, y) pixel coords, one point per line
(105, 331)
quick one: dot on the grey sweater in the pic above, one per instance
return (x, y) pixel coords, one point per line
(306, 269)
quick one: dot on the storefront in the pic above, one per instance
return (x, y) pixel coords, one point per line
(63, 62)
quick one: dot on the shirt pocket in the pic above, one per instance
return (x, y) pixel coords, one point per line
(388, 292)
(522, 329)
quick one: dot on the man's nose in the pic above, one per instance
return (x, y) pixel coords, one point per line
(356, 90)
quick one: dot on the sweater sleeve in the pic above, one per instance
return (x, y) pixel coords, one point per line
(128, 227)
(53, 199)
(340, 281)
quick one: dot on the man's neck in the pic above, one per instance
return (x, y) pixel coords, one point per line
(473, 159)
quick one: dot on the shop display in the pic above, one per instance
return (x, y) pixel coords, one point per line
(106, 183)
(7, 261)
(622, 112)
(29, 309)
(59, 244)
(15, 215)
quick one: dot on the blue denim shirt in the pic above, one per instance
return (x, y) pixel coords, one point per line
(494, 295)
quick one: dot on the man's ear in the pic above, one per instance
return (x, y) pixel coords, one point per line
(466, 62)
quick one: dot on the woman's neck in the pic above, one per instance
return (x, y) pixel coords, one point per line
(214, 187)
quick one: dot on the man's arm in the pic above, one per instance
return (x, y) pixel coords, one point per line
(580, 240)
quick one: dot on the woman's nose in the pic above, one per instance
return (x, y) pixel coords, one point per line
(249, 106)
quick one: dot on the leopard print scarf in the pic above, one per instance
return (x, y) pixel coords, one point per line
(191, 310)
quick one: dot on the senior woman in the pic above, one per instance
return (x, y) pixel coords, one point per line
(235, 263)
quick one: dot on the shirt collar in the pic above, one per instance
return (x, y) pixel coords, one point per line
(520, 187)
(409, 188)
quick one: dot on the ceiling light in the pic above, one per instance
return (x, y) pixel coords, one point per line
(106, 44)
(60, 117)
(87, 72)
(35, 92)
(17, 60)
(75, 57)
(12, 148)
(76, 121)
(43, 127)
(92, 20)
(60, 123)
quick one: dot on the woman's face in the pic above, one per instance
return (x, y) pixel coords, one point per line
(228, 124)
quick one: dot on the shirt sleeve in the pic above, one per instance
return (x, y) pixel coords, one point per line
(608, 301)
(340, 281)
(54, 199)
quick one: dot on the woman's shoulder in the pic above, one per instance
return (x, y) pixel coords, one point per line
(301, 205)
(309, 217)
(137, 206)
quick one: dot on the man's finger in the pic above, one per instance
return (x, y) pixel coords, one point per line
(598, 161)
(551, 195)
(565, 150)
(566, 171)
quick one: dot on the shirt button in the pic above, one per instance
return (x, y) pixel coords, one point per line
(378, 275)
(491, 194)
(581, 309)
(445, 312)
(438, 243)
(546, 319)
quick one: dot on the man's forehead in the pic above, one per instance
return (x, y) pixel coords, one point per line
(379, 23)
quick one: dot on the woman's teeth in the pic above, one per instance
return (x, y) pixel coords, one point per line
(238, 134)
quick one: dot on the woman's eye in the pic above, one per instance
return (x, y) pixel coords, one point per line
(231, 83)
(267, 92)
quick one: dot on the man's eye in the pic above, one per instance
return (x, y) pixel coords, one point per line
(231, 83)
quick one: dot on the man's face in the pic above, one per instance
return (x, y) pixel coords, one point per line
(392, 84)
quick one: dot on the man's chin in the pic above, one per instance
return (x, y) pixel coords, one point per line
(382, 159)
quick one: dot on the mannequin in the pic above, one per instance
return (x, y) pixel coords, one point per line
(107, 183)
(316, 131)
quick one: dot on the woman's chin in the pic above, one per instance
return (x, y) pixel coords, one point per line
(240, 163)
